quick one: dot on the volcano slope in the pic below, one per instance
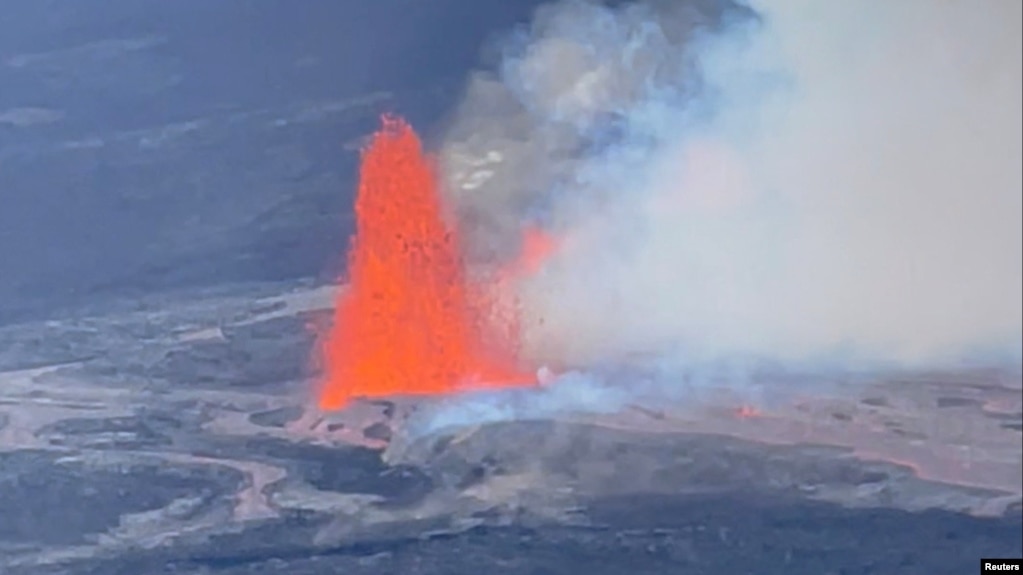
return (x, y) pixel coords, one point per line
(178, 437)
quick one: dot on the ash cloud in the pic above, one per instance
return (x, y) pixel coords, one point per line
(792, 181)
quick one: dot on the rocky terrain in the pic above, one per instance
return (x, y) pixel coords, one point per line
(149, 145)
(176, 181)
(178, 437)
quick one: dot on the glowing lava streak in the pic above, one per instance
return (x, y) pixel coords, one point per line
(410, 322)
(537, 248)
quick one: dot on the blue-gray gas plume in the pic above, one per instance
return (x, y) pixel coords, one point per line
(786, 180)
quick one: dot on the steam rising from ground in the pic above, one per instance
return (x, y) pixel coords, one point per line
(794, 181)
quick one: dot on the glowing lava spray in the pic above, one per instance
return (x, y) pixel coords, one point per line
(410, 321)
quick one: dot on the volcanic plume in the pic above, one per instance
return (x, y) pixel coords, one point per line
(412, 321)
(802, 183)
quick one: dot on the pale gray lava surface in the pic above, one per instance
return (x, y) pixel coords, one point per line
(177, 180)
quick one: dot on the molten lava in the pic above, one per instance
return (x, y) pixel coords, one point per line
(411, 322)
(537, 248)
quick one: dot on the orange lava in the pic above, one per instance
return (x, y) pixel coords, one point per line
(537, 248)
(747, 411)
(411, 322)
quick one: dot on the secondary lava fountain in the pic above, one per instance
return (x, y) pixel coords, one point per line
(410, 321)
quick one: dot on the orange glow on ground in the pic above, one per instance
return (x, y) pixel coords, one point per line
(410, 322)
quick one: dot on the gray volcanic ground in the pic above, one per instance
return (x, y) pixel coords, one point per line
(177, 437)
(177, 180)
(149, 145)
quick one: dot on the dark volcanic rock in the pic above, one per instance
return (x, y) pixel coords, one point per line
(388, 407)
(946, 402)
(266, 352)
(347, 470)
(706, 505)
(379, 430)
(250, 355)
(46, 498)
(27, 347)
(149, 144)
(603, 461)
(279, 417)
(110, 433)
(732, 533)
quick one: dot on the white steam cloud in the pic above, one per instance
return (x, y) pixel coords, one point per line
(790, 180)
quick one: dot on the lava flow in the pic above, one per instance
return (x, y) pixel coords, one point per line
(411, 322)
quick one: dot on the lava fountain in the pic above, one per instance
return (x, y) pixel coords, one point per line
(411, 322)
